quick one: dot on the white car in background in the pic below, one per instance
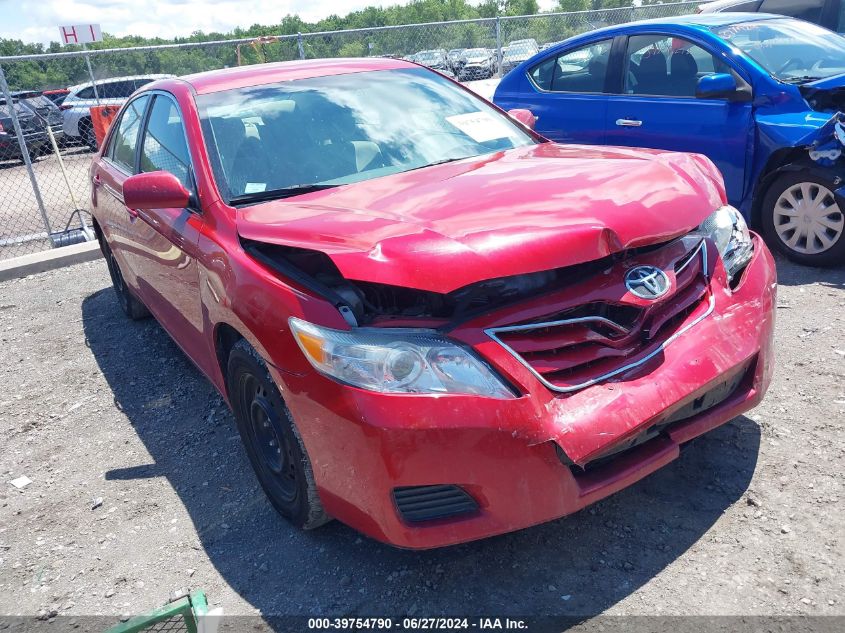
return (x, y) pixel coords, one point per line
(76, 108)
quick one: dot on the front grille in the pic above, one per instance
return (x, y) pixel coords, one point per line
(585, 344)
(476, 73)
(425, 503)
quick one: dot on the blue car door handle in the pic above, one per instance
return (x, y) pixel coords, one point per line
(628, 122)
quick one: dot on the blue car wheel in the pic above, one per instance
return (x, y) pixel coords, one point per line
(802, 219)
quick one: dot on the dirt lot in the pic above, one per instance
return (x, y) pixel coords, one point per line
(140, 488)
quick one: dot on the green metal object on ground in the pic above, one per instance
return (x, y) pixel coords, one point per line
(180, 615)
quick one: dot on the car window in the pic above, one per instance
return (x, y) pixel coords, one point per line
(667, 66)
(125, 139)
(85, 93)
(810, 10)
(164, 147)
(581, 70)
(116, 89)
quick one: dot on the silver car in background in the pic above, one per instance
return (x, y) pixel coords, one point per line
(517, 52)
(76, 108)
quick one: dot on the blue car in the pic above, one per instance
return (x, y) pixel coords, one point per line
(760, 95)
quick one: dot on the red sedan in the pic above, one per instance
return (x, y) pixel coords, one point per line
(430, 323)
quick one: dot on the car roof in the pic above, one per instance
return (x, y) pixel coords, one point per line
(259, 74)
(115, 79)
(700, 20)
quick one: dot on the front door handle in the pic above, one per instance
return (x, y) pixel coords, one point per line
(628, 123)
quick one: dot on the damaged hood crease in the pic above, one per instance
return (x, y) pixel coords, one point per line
(531, 209)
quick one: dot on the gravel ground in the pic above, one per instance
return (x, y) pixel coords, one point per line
(140, 488)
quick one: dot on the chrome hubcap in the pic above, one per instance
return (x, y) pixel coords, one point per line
(807, 218)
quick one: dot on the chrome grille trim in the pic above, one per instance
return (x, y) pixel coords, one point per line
(536, 326)
(493, 331)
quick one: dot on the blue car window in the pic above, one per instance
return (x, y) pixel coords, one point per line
(581, 70)
(660, 65)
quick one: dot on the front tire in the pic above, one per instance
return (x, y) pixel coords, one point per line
(802, 219)
(130, 305)
(271, 439)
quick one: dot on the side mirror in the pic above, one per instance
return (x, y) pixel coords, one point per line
(526, 117)
(155, 190)
(716, 86)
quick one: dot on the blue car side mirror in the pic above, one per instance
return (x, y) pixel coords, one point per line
(716, 86)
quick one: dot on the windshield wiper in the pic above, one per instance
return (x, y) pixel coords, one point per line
(438, 162)
(801, 80)
(278, 194)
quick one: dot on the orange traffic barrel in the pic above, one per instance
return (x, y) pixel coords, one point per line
(101, 118)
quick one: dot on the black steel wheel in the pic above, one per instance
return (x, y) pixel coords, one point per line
(271, 439)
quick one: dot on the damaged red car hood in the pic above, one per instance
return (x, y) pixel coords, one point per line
(525, 210)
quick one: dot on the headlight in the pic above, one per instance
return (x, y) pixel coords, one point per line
(728, 230)
(396, 361)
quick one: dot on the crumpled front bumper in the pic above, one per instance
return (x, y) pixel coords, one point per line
(363, 444)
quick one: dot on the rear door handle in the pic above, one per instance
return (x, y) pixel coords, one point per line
(628, 123)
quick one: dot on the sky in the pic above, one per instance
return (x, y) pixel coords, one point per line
(38, 20)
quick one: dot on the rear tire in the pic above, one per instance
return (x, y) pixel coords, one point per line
(131, 306)
(272, 441)
(802, 219)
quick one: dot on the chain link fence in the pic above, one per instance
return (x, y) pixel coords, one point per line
(47, 134)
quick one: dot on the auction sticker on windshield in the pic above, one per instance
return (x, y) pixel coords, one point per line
(480, 126)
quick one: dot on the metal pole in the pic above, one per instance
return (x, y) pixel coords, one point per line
(91, 74)
(301, 47)
(498, 46)
(4, 86)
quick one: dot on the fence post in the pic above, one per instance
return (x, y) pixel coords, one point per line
(4, 87)
(301, 46)
(498, 46)
(91, 74)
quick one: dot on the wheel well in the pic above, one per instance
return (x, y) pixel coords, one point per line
(777, 161)
(224, 340)
(98, 232)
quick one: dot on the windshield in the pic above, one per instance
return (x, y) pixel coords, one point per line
(5, 112)
(515, 53)
(328, 131)
(476, 53)
(790, 50)
(428, 55)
